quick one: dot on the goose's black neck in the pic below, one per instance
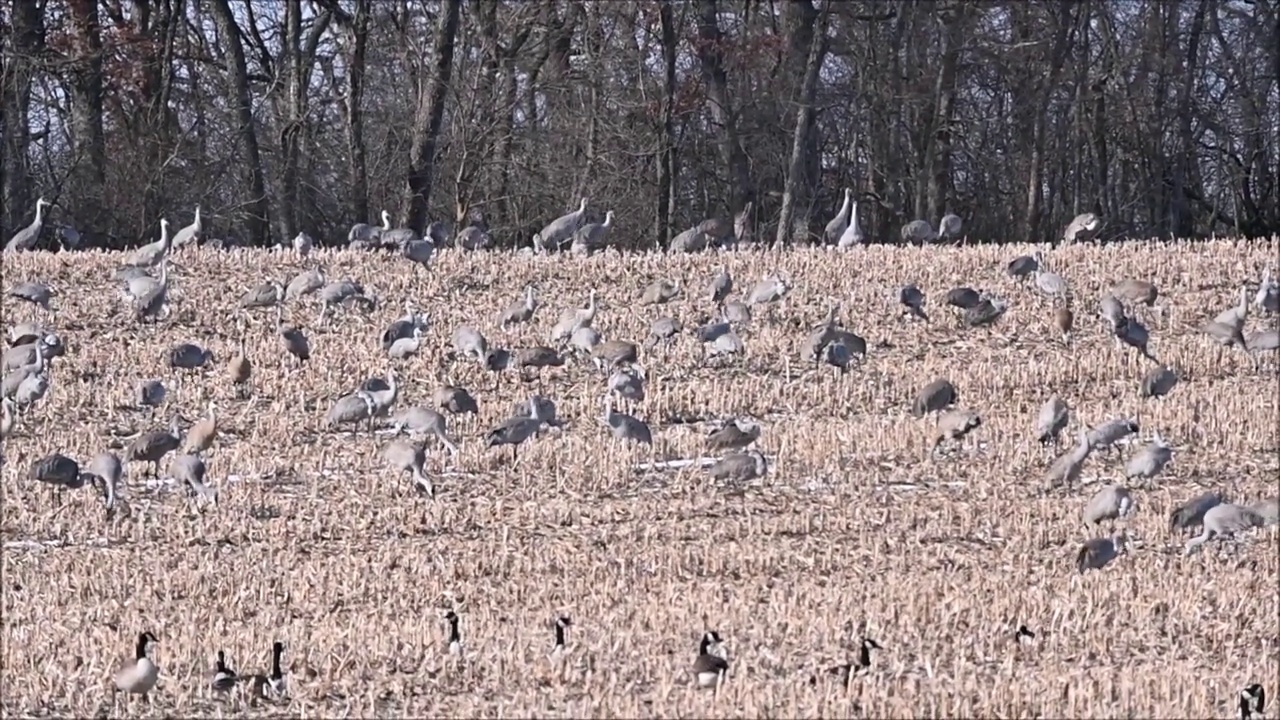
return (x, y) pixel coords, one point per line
(705, 646)
(559, 635)
(221, 664)
(276, 651)
(454, 634)
(141, 648)
(864, 655)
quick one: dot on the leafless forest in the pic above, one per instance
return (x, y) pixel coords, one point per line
(311, 115)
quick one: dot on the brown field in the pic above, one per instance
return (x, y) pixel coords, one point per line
(854, 531)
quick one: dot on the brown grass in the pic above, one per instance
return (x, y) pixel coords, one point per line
(354, 573)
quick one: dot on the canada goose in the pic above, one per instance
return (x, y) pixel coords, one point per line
(912, 298)
(1096, 553)
(223, 678)
(734, 434)
(520, 311)
(1158, 382)
(1225, 519)
(1106, 435)
(1109, 503)
(1023, 633)
(1053, 418)
(727, 345)
(1191, 513)
(624, 426)
(275, 681)
(955, 424)
(423, 421)
(264, 295)
(1066, 469)
(1253, 703)
(1150, 461)
(847, 671)
(200, 435)
(560, 628)
(721, 285)
(351, 409)
(153, 446)
(455, 399)
(963, 298)
(934, 397)
(189, 356)
(455, 634)
(740, 467)
(709, 670)
(406, 456)
(660, 292)
(138, 676)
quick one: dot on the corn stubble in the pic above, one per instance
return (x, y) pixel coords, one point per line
(859, 528)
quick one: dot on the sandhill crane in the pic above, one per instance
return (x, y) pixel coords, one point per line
(1269, 510)
(68, 237)
(406, 456)
(26, 333)
(912, 298)
(1106, 435)
(302, 244)
(351, 409)
(736, 312)
(7, 419)
(560, 230)
(49, 346)
(469, 342)
(728, 344)
(108, 468)
(573, 318)
(717, 231)
(36, 293)
(363, 233)
(744, 224)
(32, 389)
(1150, 461)
(838, 224)
(1226, 519)
(733, 434)
(624, 426)
(58, 471)
(1138, 292)
(955, 424)
(585, 340)
(292, 339)
(189, 234)
(520, 311)
(405, 348)
(190, 469)
(592, 237)
(613, 353)
(1053, 418)
(740, 467)
(1111, 502)
(151, 254)
(721, 285)
(150, 394)
(811, 350)
(664, 330)
(201, 434)
(240, 369)
(1268, 297)
(27, 237)
(986, 312)
(1191, 513)
(1096, 553)
(964, 298)
(13, 379)
(515, 430)
(770, 289)
(1083, 228)
(660, 292)
(455, 399)
(337, 293)
(1135, 335)
(841, 350)
(688, 241)
(1063, 321)
(1158, 382)
(949, 228)
(1227, 328)
(473, 237)
(304, 283)
(852, 235)
(1022, 267)
(189, 356)
(1065, 470)
(417, 250)
(151, 305)
(267, 294)
(151, 447)
(1111, 310)
(424, 421)
(389, 237)
(934, 397)
(139, 284)
(918, 232)
(1050, 283)
(403, 326)
(628, 383)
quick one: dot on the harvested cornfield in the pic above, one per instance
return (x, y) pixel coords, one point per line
(859, 529)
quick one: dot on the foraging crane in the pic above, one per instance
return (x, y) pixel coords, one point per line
(455, 399)
(304, 283)
(351, 409)
(560, 230)
(1096, 553)
(406, 456)
(964, 298)
(1191, 513)
(811, 350)
(660, 292)
(689, 241)
(918, 232)
(1135, 335)
(58, 471)
(770, 289)
(740, 467)
(1150, 461)
(912, 298)
(721, 285)
(1106, 435)
(189, 234)
(852, 235)
(1083, 228)
(423, 421)
(1111, 310)
(949, 228)
(517, 429)
(520, 311)
(189, 356)
(151, 254)
(955, 424)
(1268, 297)
(1023, 267)
(403, 327)
(190, 469)
(1225, 519)
(267, 294)
(36, 293)
(1158, 382)
(571, 319)
(1066, 469)
(733, 434)
(363, 233)
(838, 224)
(624, 426)
(628, 383)
(391, 237)
(1111, 502)
(1053, 418)
(1049, 283)
(663, 330)
(418, 251)
(986, 312)
(473, 237)
(592, 237)
(934, 397)
(151, 447)
(27, 237)
(469, 342)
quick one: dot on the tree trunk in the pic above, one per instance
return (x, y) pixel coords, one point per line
(1031, 221)
(796, 184)
(357, 165)
(427, 119)
(256, 227)
(663, 229)
(938, 156)
(86, 107)
(1181, 223)
(711, 58)
(15, 120)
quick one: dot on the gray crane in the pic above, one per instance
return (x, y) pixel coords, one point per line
(964, 298)
(1225, 520)
(1268, 297)
(660, 292)
(721, 285)
(934, 397)
(405, 456)
(820, 337)
(1148, 463)
(912, 298)
(628, 383)
(1106, 435)
(151, 447)
(107, 467)
(592, 237)
(560, 230)
(517, 429)
(473, 237)
(302, 244)
(986, 312)
(49, 346)
(1050, 283)
(190, 469)
(663, 330)
(838, 224)
(292, 339)
(405, 348)
(423, 421)
(1158, 382)
(1023, 267)
(1051, 421)
(1135, 335)
(1191, 513)
(571, 319)
(36, 293)
(337, 293)
(520, 311)
(304, 283)
(1083, 228)
(733, 434)
(1065, 470)
(469, 342)
(418, 251)
(689, 241)
(585, 340)
(740, 467)
(615, 353)
(1111, 310)
(268, 294)
(1096, 553)
(770, 289)
(391, 237)
(189, 234)
(624, 426)
(918, 232)
(403, 326)
(58, 471)
(189, 356)
(1111, 502)
(27, 237)
(151, 254)
(350, 409)
(455, 399)
(852, 235)
(955, 425)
